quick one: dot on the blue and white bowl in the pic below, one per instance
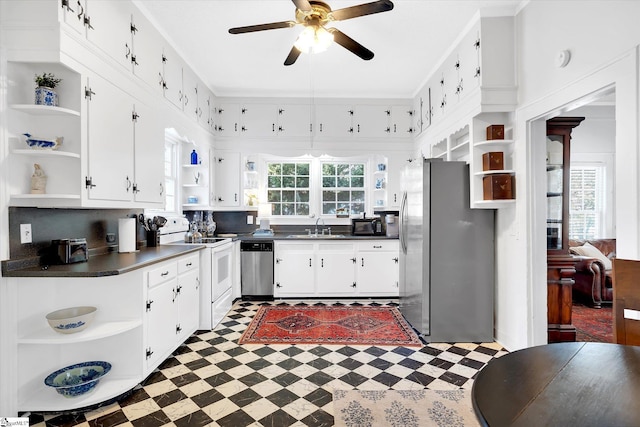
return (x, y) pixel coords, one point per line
(76, 380)
(71, 320)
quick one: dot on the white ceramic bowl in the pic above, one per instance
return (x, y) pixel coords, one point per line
(71, 320)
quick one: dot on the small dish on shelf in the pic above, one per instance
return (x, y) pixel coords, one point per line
(42, 143)
(76, 380)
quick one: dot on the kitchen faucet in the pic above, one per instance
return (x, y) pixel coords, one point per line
(319, 219)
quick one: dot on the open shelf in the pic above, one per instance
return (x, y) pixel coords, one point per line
(44, 153)
(44, 110)
(96, 330)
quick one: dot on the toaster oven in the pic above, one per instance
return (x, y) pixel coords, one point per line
(366, 227)
(68, 251)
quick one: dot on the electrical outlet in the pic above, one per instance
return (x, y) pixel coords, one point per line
(25, 233)
(249, 219)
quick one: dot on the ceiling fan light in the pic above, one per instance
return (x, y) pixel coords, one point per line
(314, 39)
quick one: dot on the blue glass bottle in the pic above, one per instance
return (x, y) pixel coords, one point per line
(194, 157)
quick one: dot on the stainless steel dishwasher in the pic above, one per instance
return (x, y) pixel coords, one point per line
(256, 270)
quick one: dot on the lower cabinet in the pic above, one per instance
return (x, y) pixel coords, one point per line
(341, 269)
(143, 315)
(171, 308)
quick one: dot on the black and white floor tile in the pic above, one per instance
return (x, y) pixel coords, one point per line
(213, 381)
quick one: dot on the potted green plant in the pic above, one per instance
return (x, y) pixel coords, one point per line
(45, 85)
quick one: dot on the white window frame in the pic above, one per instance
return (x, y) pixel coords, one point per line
(600, 197)
(315, 185)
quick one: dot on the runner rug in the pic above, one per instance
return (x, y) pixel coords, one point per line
(403, 408)
(346, 325)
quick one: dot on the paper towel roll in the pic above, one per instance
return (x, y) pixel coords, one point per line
(126, 235)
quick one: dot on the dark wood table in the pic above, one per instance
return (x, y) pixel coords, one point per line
(562, 384)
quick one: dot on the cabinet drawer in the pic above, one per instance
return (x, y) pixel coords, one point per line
(379, 245)
(161, 274)
(187, 263)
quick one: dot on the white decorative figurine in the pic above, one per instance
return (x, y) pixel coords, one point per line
(38, 180)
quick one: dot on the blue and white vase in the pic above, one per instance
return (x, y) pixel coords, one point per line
(46, 96)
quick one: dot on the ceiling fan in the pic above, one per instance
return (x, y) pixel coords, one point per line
(314, 15)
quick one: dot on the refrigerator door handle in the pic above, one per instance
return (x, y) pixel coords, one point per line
(402, 225)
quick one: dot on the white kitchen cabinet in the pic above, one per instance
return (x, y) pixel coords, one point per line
(335, 266)
(396, 163)
(333, 121)
(124, 141)
(172, 306)
(294, 120)
(327, 268)
(227, 179)
(73, 15)
(172, 76)
(147, 50)
(402, 121)
(110, 141)
(188, 297)
(111, 29)
(294, 269)
(148, 137)
(371, 121)
(227, 119)
(160, 323)
(258, 120)
(377, 269)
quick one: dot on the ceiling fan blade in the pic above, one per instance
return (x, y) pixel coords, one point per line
(303, 5)
(293, 55)
(350, 44)
(262, 27)
(361, 10)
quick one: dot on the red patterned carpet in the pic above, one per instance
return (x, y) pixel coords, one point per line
(330, 325)
(592, 325)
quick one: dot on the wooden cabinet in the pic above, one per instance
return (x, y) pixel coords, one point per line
(560, 264)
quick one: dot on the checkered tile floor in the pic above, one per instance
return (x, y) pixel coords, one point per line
(211, 380)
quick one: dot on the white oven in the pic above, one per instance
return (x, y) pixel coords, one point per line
(215, 271)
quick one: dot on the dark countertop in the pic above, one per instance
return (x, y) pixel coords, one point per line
(285, 236)
(108, 264)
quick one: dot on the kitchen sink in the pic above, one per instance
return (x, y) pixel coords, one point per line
(316, 236)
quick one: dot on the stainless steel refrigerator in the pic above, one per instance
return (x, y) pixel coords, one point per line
(446, 254)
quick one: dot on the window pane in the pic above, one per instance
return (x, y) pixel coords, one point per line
(289, 184)
(275, 182)
(348, 182)
(288, 181)
(328, 182)
(273, 196)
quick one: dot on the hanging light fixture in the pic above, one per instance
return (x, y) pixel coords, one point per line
(314, 39)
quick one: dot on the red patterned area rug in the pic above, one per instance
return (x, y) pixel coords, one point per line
(592, 324)
(347, 325)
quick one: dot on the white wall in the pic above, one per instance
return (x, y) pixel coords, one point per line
(602, 37)
(594, 143)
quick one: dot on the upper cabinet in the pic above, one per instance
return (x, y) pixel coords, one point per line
(281, 119)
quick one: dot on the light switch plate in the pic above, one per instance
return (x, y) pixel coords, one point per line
(250, 219)
(25, 233)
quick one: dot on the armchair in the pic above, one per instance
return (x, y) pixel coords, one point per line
(593, 279)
